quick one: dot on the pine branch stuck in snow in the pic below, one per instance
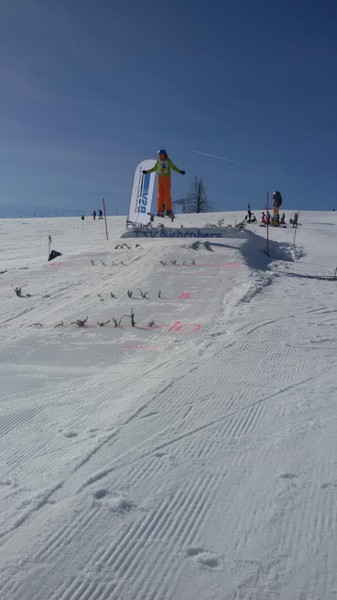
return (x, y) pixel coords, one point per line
(80, 322)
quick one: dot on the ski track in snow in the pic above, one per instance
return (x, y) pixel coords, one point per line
(177, 460)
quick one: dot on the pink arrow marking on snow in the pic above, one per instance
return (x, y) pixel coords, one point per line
(180, 327)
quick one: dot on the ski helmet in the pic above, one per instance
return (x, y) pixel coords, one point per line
(162, 152)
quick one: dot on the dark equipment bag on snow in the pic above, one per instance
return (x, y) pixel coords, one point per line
(54, 254)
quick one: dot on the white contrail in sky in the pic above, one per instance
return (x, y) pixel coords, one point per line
(237, 162)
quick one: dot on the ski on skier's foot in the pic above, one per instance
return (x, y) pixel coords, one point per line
(168, 215)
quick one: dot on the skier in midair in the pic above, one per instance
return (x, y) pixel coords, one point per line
(163, 166)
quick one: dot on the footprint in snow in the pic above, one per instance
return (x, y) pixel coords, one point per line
(99, 494)
(288, 476)
(115, 504)
(326, 485)
(203, 557)
(70, 434)
(194, 551)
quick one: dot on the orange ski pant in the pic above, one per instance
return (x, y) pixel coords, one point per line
(164, 201)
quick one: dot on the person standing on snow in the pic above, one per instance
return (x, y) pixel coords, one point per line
(163, 166)
(249, 214)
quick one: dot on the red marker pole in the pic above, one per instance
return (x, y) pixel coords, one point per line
(267, 210)
(298, 214)
(106, 226)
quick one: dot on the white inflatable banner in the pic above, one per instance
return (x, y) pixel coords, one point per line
(141, 194)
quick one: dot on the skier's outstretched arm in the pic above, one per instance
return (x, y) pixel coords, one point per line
(172, 165)
(152, 170)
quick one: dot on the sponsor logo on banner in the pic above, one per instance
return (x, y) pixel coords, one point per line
(180, 233)
(144, 194)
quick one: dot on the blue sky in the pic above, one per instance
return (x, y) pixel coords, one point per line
(242, 94)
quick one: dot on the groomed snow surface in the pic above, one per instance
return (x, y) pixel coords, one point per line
(190, 456)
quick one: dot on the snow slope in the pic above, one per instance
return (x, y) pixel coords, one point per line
(190, 456)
